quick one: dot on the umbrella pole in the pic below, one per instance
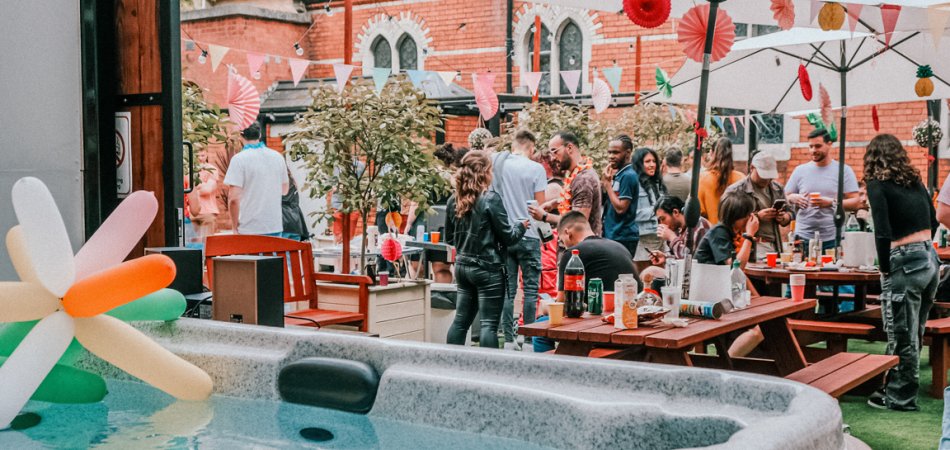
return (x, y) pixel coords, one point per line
(692, 203)
(842, 135)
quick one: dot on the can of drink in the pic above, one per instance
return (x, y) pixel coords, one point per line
(943, 237)
(595, 296)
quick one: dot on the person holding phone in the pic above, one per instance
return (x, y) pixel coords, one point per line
(771, 206)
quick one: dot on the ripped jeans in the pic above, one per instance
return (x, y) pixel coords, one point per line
(907, 296)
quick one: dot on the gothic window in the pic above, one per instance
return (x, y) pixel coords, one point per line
(545, 86)
(570, 51)
(771, 129)
(408, 53)
(382, 53)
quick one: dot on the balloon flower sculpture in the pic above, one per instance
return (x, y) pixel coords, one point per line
(70, 296)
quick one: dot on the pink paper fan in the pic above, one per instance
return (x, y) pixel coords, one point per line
(827, 114)
(692, 33)
(600, 95)
(244, 102)
(784, 13)
(485, 97)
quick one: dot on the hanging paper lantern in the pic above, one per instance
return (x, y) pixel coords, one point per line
(805, 82)
(663, 83)
(927, 133)
(692, 33)
(831, 17)
(784, 13)
(875, 120)
(394, 222)
(924, 86)
(391, 249)
(647, 13)
(478, 138)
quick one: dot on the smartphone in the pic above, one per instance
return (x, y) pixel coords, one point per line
(779, 204)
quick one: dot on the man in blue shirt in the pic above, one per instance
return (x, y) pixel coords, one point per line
(622, 186)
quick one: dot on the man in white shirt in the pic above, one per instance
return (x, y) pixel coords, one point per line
(257, 177)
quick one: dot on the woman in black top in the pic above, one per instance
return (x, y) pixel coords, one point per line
(477, 225)
(735, 216)
(904, 222)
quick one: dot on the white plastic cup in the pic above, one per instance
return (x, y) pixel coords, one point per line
(556, 313)
(797, 283)
(671, 300)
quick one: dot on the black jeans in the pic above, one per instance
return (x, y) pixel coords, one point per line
(481, 291)
(907, 295)
(525, 255)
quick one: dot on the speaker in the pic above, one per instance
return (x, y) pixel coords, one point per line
(188, 267)
(249, 289)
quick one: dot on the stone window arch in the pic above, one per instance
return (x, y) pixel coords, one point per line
(570, 50)
(573, 33)
(403, 34)
(382, 53)
(408, 52)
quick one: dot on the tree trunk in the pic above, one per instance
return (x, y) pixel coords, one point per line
(363, 245)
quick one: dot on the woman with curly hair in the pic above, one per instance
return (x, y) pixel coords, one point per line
(477, 226)
(718, 176)
(646, 163)
(908, 263)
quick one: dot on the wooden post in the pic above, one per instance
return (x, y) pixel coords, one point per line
(537, 52)
(636, 99)
(347, 59)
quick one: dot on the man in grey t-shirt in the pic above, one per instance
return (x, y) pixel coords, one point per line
(677, 182)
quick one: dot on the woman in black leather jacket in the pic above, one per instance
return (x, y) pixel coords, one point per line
(477, 225)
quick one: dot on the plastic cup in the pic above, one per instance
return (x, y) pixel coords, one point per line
(797, 283)
(435, 236)
(771, 259)
(814, 196)
(608, 302)
(556, 313)
(384, 278)
(425, 237)
(827, 259)
(786, 258)
(671, 300)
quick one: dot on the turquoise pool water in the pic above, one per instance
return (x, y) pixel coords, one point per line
(136, 416)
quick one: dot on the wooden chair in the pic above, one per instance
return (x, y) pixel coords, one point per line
(299, 277)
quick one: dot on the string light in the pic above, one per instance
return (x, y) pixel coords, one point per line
(329, 11)
(297, 49)
(203, 57)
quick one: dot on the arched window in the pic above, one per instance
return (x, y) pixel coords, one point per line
(570, 51)
(545, 86)
(382, 53)
(408, 53)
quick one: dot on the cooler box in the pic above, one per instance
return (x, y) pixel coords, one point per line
(443, 311)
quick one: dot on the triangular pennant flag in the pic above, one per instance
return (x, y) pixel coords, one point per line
(672, 112)
(447, 77)
(854, 14)
(342, 73)
(417, 77)
(532, 80)
(937, 20)
(708, 122)
(719, 123)
(613, 75)
(254, 62)
(217, 53)
(815, 7)
(889, 16)
(297, 68)
(732, 120)
(380, 76)
(742, 121)
(571, 79)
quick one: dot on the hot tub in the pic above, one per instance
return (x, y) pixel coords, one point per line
(437, 396)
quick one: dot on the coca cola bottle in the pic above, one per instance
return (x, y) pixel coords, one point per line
(574, 292)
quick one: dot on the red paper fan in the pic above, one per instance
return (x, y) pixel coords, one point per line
(875, 120)
(784, 13)
(692, 33)
(244, 102)
(805, 82)
(485, 97)
(647, 13)
(827, 114)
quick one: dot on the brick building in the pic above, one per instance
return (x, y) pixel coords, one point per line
(467, 37)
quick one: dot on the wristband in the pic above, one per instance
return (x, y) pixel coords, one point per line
(544, 218)
(748, 237)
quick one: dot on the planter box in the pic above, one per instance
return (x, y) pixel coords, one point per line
(398, 311)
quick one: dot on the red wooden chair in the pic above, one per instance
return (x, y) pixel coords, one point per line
(299, 277)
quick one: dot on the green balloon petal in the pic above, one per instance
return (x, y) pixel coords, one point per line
(65, 384)
(13, 333)
(165, 304)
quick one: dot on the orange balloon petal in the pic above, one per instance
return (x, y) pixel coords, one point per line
(118, 285)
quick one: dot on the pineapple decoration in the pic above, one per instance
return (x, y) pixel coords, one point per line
(831, 16)
(924, 86)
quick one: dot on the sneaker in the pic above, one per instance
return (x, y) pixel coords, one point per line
(876, 400)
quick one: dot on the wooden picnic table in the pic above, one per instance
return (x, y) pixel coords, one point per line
(944, 254)
(768, 281)
(662, 343)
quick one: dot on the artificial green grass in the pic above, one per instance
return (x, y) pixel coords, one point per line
(885, 430)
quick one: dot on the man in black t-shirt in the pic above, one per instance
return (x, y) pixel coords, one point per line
(602, 258)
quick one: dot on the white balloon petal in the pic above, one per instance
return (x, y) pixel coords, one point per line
(118, 235)
(45, 235)
(32, 360)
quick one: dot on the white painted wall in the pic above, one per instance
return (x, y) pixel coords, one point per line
(40, 109)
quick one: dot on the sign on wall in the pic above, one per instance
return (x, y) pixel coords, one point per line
(123, 153)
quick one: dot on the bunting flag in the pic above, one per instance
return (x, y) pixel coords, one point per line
(889, 16)
(254, 63)
(217, 53)
(298, 67)
(937, 19)
(742, 121)
(532, 80)
(613, 75)
(342, 73)
(380, 76)
(719, 122)
(732, 120)
(854, 14)
(447, 77)
(417, 77)
(815, 7)
(572, 80)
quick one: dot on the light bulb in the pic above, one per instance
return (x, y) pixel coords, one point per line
(327, 9)
(257, 75)
(297, 49)
(203, 57)
(533, 29)
(572, 61)
(458, 77)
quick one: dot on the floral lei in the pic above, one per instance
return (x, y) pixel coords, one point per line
(565, 206)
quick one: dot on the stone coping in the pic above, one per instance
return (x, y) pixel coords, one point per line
(219, 12)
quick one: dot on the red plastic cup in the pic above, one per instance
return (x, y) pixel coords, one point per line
(771, 259)
(797, 283)
(827, 259)
(608, 302)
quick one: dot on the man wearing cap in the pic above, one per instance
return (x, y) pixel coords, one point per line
(761, 186)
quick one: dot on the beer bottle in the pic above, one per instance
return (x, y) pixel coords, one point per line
(574, 292)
